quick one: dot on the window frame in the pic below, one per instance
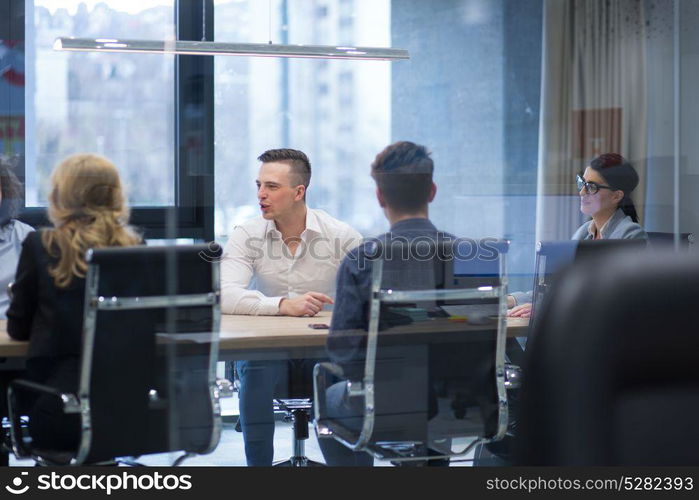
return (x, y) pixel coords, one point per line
(192, 216)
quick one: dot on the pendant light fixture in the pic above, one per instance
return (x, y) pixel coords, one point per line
(195, 48)
(207, 48)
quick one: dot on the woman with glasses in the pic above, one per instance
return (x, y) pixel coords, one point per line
(604, 188)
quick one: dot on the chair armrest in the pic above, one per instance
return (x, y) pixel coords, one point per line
(332, 368)
(19, 447)
(321, 371)
(513, 376)
(329, 427)
(71, 403)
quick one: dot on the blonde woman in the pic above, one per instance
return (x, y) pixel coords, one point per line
(88, 210)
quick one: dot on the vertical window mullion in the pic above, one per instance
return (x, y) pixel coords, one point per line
(194, 119)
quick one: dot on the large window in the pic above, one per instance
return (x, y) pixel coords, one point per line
(471, 93)
(152, 115)
(508, 94)
(117, 105)
(338, 112)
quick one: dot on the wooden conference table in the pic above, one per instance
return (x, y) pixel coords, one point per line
(259, 337)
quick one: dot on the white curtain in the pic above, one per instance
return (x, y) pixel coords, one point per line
(593, 101)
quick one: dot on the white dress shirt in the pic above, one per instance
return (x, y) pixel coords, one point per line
(258, 270)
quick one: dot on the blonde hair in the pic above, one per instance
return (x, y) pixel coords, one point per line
(88, 210)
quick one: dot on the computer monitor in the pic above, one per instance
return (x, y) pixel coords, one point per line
(476, 263)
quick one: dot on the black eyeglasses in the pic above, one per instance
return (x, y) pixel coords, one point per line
(590, 187)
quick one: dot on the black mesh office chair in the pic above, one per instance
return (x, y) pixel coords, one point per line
(611, 375)
(147, 374)
(433, 354)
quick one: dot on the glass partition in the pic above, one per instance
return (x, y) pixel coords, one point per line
(548, 122)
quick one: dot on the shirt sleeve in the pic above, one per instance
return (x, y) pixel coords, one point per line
(24, 294)
(522, 297)
(347, 335)
(237, 269)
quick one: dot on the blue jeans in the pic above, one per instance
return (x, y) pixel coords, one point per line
(258, 383)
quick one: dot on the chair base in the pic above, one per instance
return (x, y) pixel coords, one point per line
(299, 462)
(297, 411)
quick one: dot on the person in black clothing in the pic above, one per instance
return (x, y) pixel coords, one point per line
(404, 188)
(88, 210)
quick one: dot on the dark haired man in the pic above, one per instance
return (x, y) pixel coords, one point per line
(12, 231)
(292, 253)
(404, 188)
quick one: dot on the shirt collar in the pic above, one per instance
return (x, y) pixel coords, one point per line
(416, 223)
(271, 229)
(608, 226)
(312, 224)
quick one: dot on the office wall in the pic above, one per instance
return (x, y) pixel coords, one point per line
(689, 116)
(471, 93)
(661, 115)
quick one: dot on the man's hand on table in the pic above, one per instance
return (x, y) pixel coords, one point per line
(523, 311)
(308, 304)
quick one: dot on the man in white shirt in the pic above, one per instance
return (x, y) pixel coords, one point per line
(282, 263)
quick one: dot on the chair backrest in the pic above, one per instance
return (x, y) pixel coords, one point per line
(663, 240)
(601, 249)
(611, 373)
(150, 343)
(552, 257)
(436, 339)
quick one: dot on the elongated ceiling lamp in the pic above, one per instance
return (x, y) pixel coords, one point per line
(185, 47)
(208, 48)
